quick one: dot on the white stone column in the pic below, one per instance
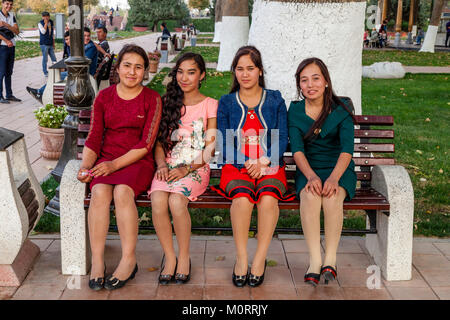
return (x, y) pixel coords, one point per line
(234, 31)
(391, 247)
(430, 39)
(286, 33)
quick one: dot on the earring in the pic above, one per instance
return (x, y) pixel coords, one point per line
(326, 86)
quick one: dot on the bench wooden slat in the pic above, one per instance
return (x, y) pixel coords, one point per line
(375, 120)
(362, 162)
(374, 134)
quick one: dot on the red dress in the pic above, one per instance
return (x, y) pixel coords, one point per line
(117, 126)
(235, 183)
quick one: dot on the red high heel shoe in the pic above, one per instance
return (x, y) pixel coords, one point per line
(329, 273)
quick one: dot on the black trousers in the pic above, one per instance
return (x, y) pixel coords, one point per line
(7, 55)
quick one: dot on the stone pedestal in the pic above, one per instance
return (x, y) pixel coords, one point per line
(12, 275)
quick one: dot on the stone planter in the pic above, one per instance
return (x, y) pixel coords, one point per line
(52, 141)
(140, 29)
(153, 66)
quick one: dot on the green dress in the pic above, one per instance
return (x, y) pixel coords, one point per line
(336, 136)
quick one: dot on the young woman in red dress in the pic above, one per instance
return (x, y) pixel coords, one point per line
(118, 163)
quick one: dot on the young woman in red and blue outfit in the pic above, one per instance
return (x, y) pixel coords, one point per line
(253, 123)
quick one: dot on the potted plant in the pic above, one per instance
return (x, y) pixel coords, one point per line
(154, 60)
(50, 119)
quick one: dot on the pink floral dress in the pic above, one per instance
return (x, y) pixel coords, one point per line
(191, 136)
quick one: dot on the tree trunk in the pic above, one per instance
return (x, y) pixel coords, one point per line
(398, 24)
(430, 36)
(218, 20)
(235, 27)
(286, 33)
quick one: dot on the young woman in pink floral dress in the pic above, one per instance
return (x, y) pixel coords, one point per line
(184, 146)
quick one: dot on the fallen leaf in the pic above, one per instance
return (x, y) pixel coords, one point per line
(251, 234)
(151, 269)
(217, 219)
(415, 227)
(427, 120)
(272, 263)
(441, 171)
(429, 211)
(437, 147)
(220, 258)
(422, 179)
(431, 159)
(419, 151)
(49, 167)
(50, 190)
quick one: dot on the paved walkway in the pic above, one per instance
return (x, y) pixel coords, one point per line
(212, 262)
(20, 117)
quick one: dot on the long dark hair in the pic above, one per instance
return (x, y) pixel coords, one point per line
(255, 55)
(130, 48)
(329, 97)
(172, 101)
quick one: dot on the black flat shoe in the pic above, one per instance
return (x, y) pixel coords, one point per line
(183, 278)
(255, 281)
(113, 283)
(329, 273)
(12, 98)
(312, 278)
(165, 279)
(97, 283)
(239, 281)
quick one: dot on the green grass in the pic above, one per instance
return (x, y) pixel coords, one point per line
(205, 35)
(210, 54)
(29, 49)
(421, 146)
(48, 222)
(407, 58)
(26, 21)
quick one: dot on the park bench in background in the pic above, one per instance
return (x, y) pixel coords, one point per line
(384, 192)
(21, 205)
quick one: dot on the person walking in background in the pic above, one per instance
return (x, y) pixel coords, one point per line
(447, 27)
(110, 15)
(420, 35)
(46, 40)
(8, 30)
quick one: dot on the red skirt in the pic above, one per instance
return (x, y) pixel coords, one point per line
(235, 183)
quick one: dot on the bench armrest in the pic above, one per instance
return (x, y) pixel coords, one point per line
(392, 246)
(73, 219)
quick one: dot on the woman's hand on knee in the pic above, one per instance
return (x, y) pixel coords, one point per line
(314, 185)
(330, 187)
(162, 173)
(103, 169)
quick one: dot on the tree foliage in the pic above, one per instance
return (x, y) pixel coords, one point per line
(40, 6)
(150, 12)
(61, 6)
(199, 4)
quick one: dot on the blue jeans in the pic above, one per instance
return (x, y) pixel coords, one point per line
(47, 50)
(419, 39)
(7, 55)
(41, 89)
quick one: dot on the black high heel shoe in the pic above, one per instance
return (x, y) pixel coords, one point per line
(97, 283)
(312, 278)
(329, 273)
(113, 283)
(239, 281)
(255, 281)
(183, 278)
(165, 279)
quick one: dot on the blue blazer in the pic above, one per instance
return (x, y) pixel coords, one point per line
(231, 117)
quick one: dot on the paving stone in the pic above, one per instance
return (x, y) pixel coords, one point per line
(273, 292)
(39, 292)
(412, 293)
(180, 292)
(320, 293)
(420, 247)
(226, 292)
(422, 262)
(7, 292)
(442, 292)
(366, 294)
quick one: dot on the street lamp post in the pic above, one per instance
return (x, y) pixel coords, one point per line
(78, 94)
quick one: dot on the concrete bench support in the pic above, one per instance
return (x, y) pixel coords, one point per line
(19, 210)
(75, 250)
(391, 247)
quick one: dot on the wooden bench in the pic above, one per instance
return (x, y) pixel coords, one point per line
(372, 196)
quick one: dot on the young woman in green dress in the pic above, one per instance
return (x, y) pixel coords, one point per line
(321, 133)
